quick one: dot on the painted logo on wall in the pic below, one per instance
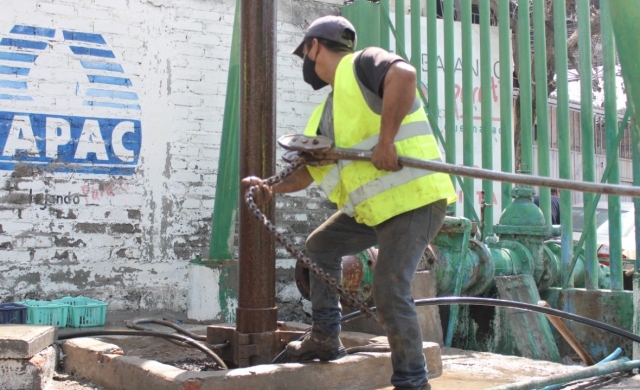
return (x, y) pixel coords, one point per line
(66, 104)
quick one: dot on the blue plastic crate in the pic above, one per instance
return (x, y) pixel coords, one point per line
(46, 313)
(13, 313)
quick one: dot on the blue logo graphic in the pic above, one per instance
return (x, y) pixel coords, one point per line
(66, 104)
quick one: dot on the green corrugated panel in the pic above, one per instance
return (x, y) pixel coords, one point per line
(365, 17)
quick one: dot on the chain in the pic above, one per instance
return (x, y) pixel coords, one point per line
(349, 298)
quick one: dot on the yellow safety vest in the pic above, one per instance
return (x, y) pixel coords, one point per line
(359, 189)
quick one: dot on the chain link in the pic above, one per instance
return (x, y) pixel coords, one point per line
(351, 299)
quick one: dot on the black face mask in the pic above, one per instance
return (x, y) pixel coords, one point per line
(310, 76)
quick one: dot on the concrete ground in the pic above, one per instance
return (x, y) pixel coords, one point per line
(462, 370)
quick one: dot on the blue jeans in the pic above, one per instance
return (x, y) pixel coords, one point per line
(401, 241)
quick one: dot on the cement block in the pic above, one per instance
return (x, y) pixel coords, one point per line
(24, 341)
(28, 374)
(92, 359)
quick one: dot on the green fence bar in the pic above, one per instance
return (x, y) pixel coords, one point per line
(487, 115)
(432, 60)
(384, 26)
(226, 201)
(449, 87)
(506, 92)
(524, 80)
(625, 14)
(416, 45)
(564, 136)
(611, 122)
(588, 146)
(540, 50)
(400, 41)
(467, 102)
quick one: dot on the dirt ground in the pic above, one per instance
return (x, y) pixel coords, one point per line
(462, 370)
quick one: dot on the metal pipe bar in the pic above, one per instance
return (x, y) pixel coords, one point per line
(226, 197)
(564, 136)
(524, 81)
(384, 26)
(400, 29)
(487, 119)
(257, 312)
(467, 101)
(449, 88)
(588, 147)
(542, 121)
(611, 126)
(416, 45)
(625, 14)
(506, 104)
(479, 173)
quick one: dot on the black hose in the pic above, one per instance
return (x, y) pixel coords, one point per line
(135, 324)
(168, 336)
(512, 304)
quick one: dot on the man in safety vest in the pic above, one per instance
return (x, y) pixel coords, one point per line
(374, 106)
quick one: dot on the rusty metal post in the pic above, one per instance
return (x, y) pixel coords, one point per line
(257, 312)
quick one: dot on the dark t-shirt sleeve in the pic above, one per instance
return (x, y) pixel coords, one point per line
(371, 67)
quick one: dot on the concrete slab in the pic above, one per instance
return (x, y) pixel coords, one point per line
(24, 341)
(28, 374)
(93, 359)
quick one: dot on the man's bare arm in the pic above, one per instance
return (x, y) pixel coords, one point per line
(399, 94)
(298, 180)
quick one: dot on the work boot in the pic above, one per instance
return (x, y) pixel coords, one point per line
(316, 345)
(423, 387)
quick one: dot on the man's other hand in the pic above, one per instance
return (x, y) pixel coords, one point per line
(385, 158)
(263, 192)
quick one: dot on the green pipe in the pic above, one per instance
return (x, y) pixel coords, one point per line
(226, 197)
(453, 313)
(384, 26)
(416, 45)
(400, 41)
(611, 121)
(564, 136)
(432, 61)
(541, 105)
(467, 101)
(449, 88)
(487, 119)
(625, 14)
(588, 147)
(506, 92)
(524, 80)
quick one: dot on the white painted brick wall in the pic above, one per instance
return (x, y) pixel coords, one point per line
(128, 239)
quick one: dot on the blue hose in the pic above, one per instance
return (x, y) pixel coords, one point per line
(609, 358)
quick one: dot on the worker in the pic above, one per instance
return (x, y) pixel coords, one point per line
(555, 206)
(373, 105)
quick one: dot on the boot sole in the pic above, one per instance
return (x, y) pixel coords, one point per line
(323, 356)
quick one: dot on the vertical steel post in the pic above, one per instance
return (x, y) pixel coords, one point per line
(449, 87)
(588, 147)
(384, 25)
(432, 61)
(524, 80)
(226, 201)
(564, 136)
(542, 128)
(506, 101)
(257, 312)
(611, 126)
(400, 29)
(467, 102)
(416, 45)
(625, 14)
(487, 115)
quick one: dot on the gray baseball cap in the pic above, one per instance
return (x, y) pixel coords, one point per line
(331, 28)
